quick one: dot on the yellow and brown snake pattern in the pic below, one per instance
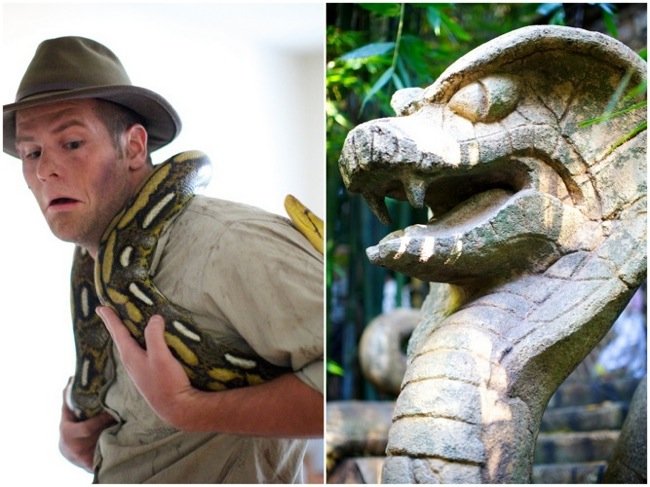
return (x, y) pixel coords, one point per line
(122, 281)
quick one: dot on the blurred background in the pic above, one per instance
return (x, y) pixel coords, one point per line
(247, 81)
(372, 51)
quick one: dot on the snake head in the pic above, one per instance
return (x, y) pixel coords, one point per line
(496, 150)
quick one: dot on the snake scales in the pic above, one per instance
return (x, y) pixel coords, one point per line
(120, 278)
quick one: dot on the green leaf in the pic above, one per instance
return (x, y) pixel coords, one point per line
(433, 17)
(618, 93)
(403, 73)
(610, 23)
(609, 116)
(397, 82)
(335, 114)
(643, 125)
(455, 28)
(548, 8)
(557, 18)
(644, 53)
(374, 49)
(606, 7)
(379, 84)
(385, 9)
(335, 368)
(636, 91)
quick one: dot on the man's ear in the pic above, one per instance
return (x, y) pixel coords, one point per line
(136, 146)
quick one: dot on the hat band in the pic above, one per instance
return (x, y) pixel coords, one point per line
(47, 89)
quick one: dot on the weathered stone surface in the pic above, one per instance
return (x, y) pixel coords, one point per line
(538, 228)
(630, 458)
(575, 447)
(362, 470)
(356, 429)
(580, 393)
(569, 473)
(607, 415)
(455, 440)
(405, 470)
(455, 400)
(380, 349)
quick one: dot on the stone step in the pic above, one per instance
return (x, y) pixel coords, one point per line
(360, 470)
(367, 470)
(592, 392)
(604, 416)
(575, 447)
(569, 473)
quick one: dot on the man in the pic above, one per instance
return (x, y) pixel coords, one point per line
(84, 134)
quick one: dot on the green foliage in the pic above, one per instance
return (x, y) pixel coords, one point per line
(385, 9)
(403, 45)
(631, 100)
(335, 368)
(372, 51)
(556, 13)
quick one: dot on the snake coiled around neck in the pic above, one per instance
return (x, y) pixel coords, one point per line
(120, 278)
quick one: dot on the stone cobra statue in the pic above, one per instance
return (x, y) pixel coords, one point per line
(537, 229)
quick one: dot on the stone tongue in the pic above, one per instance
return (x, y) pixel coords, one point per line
(473, 210)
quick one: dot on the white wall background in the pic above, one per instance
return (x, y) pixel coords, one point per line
(247, 81)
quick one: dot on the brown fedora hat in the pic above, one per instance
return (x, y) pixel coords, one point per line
(69, 68)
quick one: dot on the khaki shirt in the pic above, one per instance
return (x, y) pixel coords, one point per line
(249, 277)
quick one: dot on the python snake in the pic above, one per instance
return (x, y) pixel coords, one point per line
(120, 278)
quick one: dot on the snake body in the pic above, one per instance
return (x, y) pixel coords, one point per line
(122, 280)
(94, 368)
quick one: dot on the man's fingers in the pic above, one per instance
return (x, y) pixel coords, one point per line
(110, 319)
(126, 344)
(154, 335)
(130, 351)
(100, 422)
(65, 410)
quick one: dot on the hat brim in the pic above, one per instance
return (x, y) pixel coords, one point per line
(160, 119)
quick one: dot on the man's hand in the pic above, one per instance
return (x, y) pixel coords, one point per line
(156, 373)
(283, 407)
(77, 439)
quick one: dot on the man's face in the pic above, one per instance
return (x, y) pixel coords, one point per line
(71, 164)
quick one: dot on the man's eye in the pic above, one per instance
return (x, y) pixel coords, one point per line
(74, 144)
(32, 155)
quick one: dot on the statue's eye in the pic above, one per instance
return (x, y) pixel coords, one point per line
(407, 100)
(486, 100)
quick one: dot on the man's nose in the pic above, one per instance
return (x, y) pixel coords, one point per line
(47, 166)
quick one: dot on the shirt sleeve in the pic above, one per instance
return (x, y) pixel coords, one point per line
(267, 281)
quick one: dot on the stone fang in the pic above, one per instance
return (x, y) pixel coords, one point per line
(455, 253)
(428, 246)
(403, 244)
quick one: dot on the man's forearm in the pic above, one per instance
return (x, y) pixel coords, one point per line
(283, 407)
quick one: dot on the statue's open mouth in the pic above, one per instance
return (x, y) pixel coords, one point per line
(459, 200)
(473, 209)
(450, 233)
